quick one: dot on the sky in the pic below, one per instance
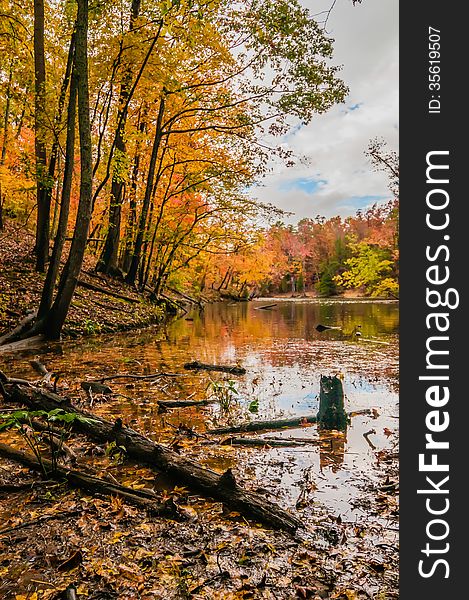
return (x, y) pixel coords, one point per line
(338, 178)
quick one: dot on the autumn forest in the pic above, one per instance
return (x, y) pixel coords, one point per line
(156, 315)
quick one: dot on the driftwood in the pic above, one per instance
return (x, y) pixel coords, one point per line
(101, 290)
(261, 442)
(22, 326)
(182, 470)
(196, 366)
(131, 376)
(142, 498)
(266, 307)
(27, 344)
(183, 403)
(265, 425)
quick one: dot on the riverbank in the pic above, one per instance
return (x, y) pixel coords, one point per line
(100, 304)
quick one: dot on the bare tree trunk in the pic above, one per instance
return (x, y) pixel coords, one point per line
(53, 270)
(136, 256)
(43, 199)
(108, 261)
(58, 313)
(6, 117)
(132, 219)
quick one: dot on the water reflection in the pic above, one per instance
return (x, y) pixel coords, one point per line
(284, 356)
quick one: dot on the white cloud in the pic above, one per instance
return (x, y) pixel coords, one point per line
(366, 44)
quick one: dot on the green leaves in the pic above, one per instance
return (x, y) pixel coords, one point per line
(371, 267)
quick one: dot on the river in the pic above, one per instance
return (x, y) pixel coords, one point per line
(284, 356)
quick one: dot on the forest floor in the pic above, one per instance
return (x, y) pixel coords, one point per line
(93, 311)
(52, 536)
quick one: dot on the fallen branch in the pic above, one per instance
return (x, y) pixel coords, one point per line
(182, 470)
(196, 366)
(61, 515)
(26, 344)
(183, 403)
(264, 425)
(142, 498)
(261, 442)
(369, 442)
(22, 326)
(186, 297)
(130, 376)
(11, 488)
(266, 307)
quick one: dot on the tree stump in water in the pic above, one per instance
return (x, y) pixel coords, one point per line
(331, 413)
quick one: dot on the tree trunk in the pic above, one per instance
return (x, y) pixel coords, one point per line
(142, 498)
(331, 413)
(6, 116)
(136, 256)
(43, 199)
(108, 261)
(132, 218)
(53, 270)
(182, 470)
(58, 313)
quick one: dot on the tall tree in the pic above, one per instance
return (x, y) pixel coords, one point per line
(59, 241)
(55, 318)
(43, 198)
(108, 261)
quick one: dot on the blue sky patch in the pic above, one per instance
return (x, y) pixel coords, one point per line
(362, 201)
(305, 185)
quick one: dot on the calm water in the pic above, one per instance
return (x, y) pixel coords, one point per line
(284, 357)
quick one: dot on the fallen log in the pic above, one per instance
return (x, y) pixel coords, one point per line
(22, 326)
(265, 425)
(131, 376)
(266, 307)
(198, 303)
(142, 498)
(261, 442)
(196, 366)
(182, 470)
(331, 413)
(183, 403)
(27, 344)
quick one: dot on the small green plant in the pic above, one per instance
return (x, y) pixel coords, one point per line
(28, 424)
(254, 406)
(90, 327)
(117, 453)
(225, 393)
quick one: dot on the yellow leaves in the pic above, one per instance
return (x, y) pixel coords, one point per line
(32, 596)
(118, 535)
(131, 572)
